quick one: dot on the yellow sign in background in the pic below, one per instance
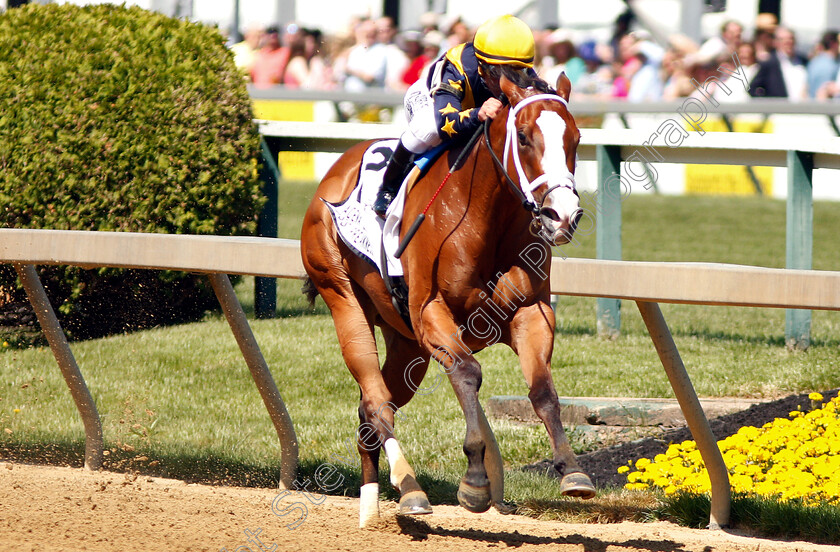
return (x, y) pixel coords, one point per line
(729, 179)
(294, 165)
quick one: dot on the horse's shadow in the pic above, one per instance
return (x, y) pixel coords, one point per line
(419, 530)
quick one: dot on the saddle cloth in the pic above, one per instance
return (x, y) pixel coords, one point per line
(366, 234)
(358, 226)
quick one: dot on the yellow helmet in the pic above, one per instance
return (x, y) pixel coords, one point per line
(505, 40)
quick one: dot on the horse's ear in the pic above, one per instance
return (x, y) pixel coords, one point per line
(513, 92)
(564, 86)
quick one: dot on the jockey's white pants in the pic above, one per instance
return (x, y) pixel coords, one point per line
(422, 134)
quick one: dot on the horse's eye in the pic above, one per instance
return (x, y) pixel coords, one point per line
(523, 139)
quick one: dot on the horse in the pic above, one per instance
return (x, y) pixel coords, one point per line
(476, 274)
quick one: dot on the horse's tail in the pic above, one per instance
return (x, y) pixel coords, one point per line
(309, 290)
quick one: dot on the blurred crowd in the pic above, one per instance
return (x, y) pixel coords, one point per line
(632, 65)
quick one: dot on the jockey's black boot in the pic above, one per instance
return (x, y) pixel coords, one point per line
(392, 179)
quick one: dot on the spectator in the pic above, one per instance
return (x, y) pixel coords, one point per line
(749, 66)
(646, 84)
(415, 46)
(765, 28)
(366, 62)
(541, 38)
(293, 41)
(677, 75)
(677, 67)
(270, 61)
(638, 78)
(823, 67)
(718, 48)
(596, 81)
(369, 57)
(306, 67)
(732, 89)
(431, 47)
(457, 32)
(429, 22)
(621, 29)
(562, 57)
(830, 90)
(783, 75)
(338, 46)
(396, 61)
(625, 65)
(245, 52)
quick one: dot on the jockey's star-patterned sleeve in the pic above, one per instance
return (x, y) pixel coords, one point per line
(456, 109)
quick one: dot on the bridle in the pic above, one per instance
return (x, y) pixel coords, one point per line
(525, 191)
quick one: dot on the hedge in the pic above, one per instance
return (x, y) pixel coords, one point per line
(121, 119)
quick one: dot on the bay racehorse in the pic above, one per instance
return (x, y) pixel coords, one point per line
(476, 273)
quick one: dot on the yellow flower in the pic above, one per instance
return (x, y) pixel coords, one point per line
(623, 469)
(794, 458)
(815, 397)
(639, 477)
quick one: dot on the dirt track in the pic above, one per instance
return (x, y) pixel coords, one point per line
(50, 508)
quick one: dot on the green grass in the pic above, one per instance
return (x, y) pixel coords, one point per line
(764, 516)
(180, 402)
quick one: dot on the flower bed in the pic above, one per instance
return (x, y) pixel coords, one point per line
(789, 458)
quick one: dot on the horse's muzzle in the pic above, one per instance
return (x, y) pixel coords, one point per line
(559, 230)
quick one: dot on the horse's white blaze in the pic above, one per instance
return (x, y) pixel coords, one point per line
(553, 128)
(368, 504)
(562, 199)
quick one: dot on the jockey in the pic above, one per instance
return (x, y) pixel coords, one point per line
(460, 91)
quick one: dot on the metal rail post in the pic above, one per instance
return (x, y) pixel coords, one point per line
(265, 289)
(262, 377)
(693, 412)
(799, 239)
(66, 362)
(608, 231)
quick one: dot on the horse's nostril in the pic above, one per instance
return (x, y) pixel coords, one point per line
(575, 219)
(550, 213)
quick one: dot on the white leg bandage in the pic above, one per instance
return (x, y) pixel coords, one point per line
(369, 504)
(395, 456)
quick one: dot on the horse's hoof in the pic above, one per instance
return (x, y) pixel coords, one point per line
(415, 503)
(578, 485)
(475, 499)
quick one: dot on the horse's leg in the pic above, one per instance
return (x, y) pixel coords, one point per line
(381, 394)
(369, 492)
(532, 337)
(440, 337)
(358, 347)
(405, 365)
